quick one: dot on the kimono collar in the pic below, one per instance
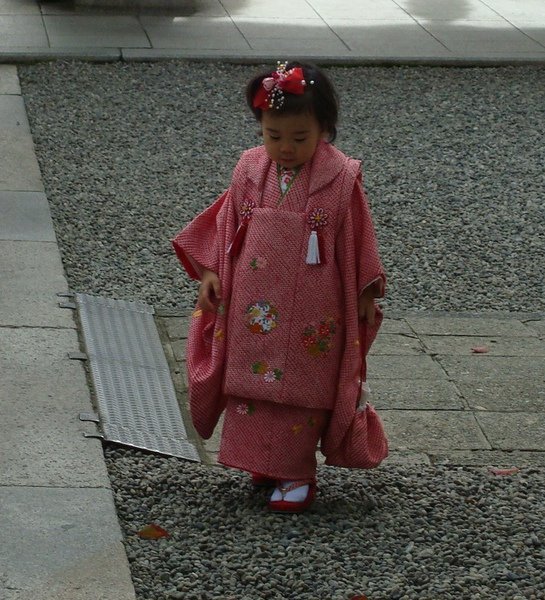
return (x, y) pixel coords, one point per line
(327, 163)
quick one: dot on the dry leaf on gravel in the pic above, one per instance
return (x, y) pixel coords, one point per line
(496, 471)
(152, 532)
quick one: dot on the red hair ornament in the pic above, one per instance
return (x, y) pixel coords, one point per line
(271, 93)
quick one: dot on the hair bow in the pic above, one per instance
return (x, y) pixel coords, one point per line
(271, 92)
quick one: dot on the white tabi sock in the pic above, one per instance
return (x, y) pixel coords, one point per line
(298, 494)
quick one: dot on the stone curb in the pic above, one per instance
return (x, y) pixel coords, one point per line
(30, 55)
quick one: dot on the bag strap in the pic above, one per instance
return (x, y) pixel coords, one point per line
(362, 339)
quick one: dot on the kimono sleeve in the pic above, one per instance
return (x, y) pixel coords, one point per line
(198, 244)
(357, 245)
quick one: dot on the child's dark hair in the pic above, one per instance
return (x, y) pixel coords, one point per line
(319, 98)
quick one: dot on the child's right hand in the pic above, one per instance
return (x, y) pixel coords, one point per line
(209, 291)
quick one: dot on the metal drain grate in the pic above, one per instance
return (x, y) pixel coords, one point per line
(136, 398)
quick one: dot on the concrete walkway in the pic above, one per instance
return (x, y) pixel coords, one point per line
(59, 535)
(385, 31)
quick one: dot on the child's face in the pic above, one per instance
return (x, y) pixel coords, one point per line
(290, 140)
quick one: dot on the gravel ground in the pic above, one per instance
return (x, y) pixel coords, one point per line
(453, 161)
(454, 167)
(394, 533)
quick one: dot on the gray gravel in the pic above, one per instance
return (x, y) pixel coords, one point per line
(454, 163)
(453, 160)
(394, 533)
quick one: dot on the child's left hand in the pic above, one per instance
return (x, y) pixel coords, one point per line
(366, 305)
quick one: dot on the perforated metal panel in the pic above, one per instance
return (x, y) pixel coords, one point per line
(135, 394)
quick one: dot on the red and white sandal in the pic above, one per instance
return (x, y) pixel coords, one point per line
(290, 506)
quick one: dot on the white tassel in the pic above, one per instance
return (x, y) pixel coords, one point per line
(313, 251)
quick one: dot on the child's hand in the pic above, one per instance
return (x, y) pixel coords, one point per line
(366, 306)
(209, 291)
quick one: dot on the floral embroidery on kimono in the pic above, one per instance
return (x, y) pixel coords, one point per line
(261, 317)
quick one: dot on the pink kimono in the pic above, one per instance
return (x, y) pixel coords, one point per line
(282, 355)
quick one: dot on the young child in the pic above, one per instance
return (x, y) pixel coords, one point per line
(289, 269)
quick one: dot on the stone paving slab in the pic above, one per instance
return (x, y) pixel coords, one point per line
(202, 8)
(516, 395)
(179, 349)
(532, 30)
(179, 378)
(177, 327)
(512, 431)
(19, 7)
(9, 82)
(30, 277)
(22, 30)
(19, 168)
(403, 367)
(13, 114)
(477, 326)
(516, 10)
(482, 367)
(432, 431)
(497, 346)
(430, 402)
(448, 11)
(407, 459)
(388, 38)
(395, 344)
(97, 31)
(419, 394)
(62, 544)
(362, 10)
(492, 458)
(363, 31)
(399, 326)
(213, 444)
(42, 392)
(61, 7)
(297, 9)
(26, 216)
(537, 325)
(45, 446)
(482, 37)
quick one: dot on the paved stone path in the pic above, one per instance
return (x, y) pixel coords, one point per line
(441, 402)
(59, 534)
(391, 31)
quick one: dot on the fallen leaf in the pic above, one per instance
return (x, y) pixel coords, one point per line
(360, 597)
(480, 349)
(496, 471)
(153, 532)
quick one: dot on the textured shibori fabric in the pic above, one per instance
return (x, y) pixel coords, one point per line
(277, 441)
(287, 332)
